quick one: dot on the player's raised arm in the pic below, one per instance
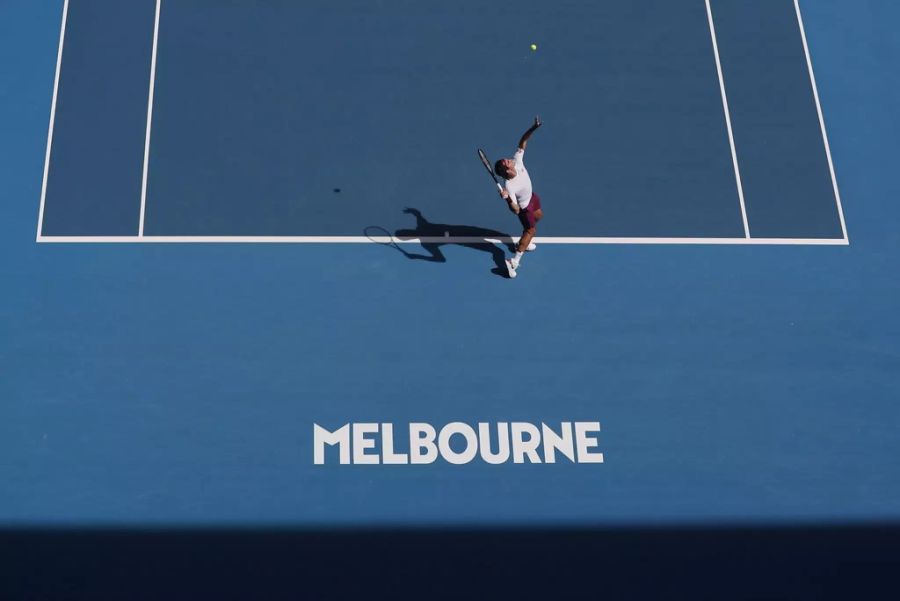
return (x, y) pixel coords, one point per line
(523, 142)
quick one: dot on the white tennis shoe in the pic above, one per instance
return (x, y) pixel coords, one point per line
(531, 247)
(511, 268)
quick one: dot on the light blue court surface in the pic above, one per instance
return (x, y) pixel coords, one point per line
(178, 384)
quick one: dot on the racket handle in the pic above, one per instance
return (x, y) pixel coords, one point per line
(499, 187)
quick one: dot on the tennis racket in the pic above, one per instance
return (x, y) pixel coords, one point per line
(490, 169)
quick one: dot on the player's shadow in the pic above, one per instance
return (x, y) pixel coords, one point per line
(433, 236)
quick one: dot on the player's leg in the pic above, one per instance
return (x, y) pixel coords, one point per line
(530, 246)
(528, 217)
(534, 213)
(512, 264)
(525, 240)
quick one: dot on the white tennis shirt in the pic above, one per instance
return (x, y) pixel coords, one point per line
(519, 187)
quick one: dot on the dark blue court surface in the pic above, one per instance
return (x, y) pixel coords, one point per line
(722, 317)
(322, 118)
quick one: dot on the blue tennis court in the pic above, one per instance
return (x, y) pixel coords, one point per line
(310, 120)
(200, 333)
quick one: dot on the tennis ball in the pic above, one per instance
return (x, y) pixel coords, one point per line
(533, 47)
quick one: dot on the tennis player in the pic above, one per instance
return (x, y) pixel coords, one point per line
(520, 197)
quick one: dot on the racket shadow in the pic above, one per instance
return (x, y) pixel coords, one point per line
(433, 236)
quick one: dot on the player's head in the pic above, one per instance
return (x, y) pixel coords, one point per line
(505, 168)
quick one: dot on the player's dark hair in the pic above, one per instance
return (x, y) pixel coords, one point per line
(500, 169)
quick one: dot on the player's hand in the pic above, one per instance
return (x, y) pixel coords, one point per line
(504, 194)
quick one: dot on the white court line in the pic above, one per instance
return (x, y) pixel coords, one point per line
(149, 121)
(812, 79)
(446, 240)
(737, 169)
(62, 38)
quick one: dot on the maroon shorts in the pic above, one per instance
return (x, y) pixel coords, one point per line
(526, 215)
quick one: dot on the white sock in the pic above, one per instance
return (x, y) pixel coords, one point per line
(517, 258)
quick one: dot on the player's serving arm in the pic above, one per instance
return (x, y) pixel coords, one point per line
(520, 196)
